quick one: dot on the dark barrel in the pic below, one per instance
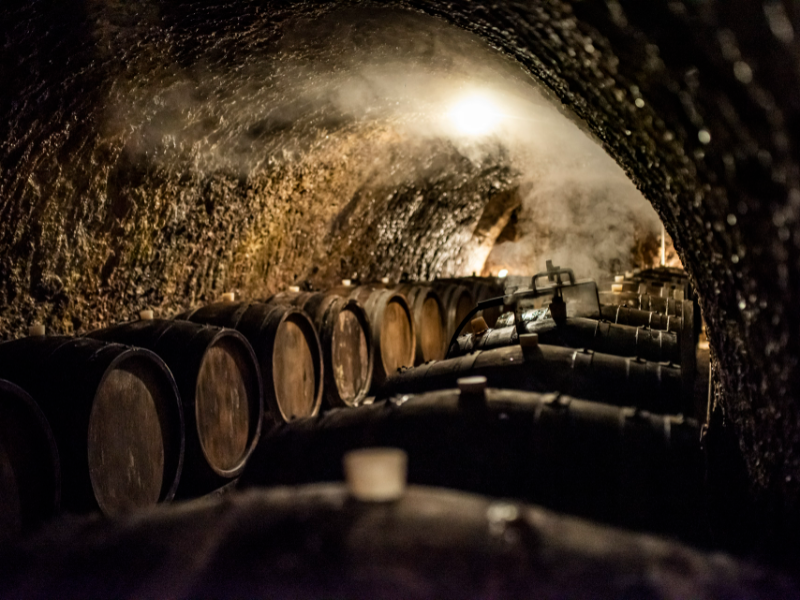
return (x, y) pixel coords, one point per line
(458, 301)
(600, 461)
(345, 336)
(392, 326)
(484, 289)
(617, 380)
(481, 288)
(576, 332)
(640, 318)
(30, 474)
(220, 388)
(315, 542)
(665, 306)
(287, 347)
(429, 321)
(115, 414)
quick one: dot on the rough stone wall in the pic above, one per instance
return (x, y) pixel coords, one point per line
(698, 101)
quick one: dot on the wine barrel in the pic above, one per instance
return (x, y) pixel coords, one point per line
(641, 318)
(115, 415)
(429, 321)
(392, 327)
(600, 461)
(458, 302)
(220, 388)
(431, 544)
(346, 340)
(287, 347)
(686, 310)
(617, 380)
(485, 289)
(30, 474)
(666, 306)
(575, 332)
(481, 288)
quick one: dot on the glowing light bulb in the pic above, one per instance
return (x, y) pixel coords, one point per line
(474, 115)
(502, 274)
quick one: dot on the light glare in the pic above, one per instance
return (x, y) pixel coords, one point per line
(475, 115)
(503, 274)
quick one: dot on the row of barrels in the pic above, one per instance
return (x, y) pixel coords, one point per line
(584, 415)
(146, 411)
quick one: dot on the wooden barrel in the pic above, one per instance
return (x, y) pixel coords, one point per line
(288, 351)
(666, 306)
(485, 289)
(392, 327)
(617, 380)
(641, 318)
(596, 460)
(431, 544)
(220, 388)
(429, 321)
(458, 301)
(344, 333)
(115, 414)
(30, 474)
(481, 288)
(576, 332)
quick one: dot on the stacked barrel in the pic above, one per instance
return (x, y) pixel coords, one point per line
(592, 414)
(150, 410)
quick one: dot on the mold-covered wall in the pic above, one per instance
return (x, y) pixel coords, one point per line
(699, 102)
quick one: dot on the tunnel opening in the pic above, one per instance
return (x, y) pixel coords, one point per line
(157, 157)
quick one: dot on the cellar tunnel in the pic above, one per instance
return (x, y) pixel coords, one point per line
(158, 155)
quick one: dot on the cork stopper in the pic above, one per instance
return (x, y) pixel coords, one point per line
(472, 385)
(385, 280)
(376, 474)
(294, 288)
(229, 297)
(529, 340)
(37, 329)
(619, 278)
(347, 282)
(616, 288)
(146, 315)
(479, 326)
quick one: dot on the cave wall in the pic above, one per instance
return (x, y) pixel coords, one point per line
(699, 102)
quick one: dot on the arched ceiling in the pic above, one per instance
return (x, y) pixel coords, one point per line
(697, 101)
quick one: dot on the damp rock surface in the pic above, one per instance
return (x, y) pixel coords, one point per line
(128, 176)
